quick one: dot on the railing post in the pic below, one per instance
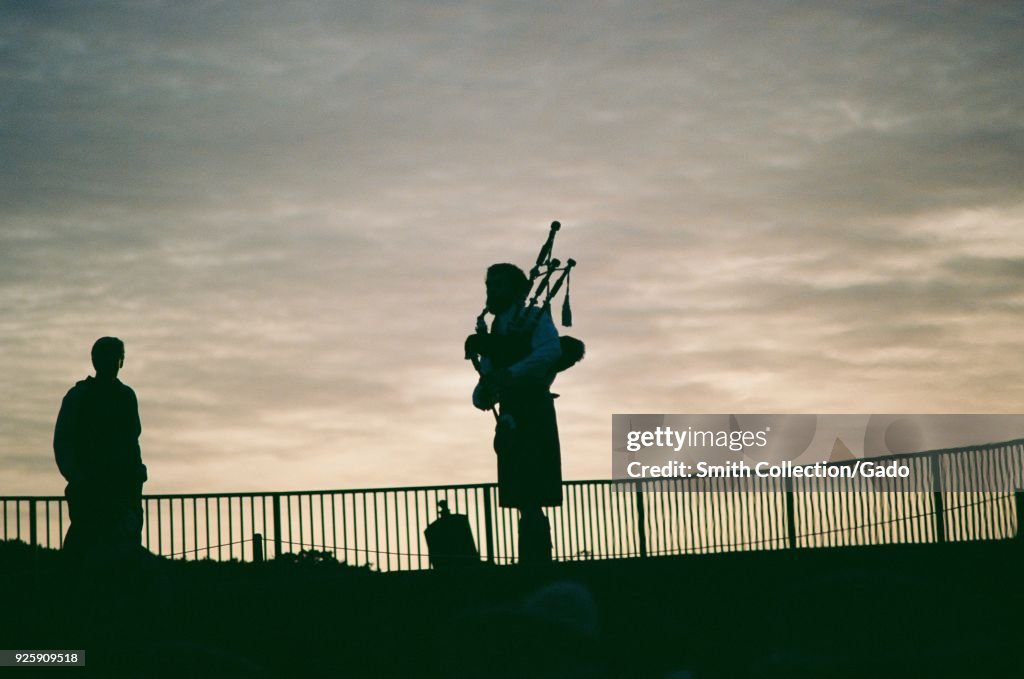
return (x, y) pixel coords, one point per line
(277, 525)
(790, 513)
(641, 521)
(937, 501)
(488, 529)
(1018, 497)
(32, 522)
(257, 548)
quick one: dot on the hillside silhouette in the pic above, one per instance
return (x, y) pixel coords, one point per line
(876, 611)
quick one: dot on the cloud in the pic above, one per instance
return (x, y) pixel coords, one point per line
(286, 212)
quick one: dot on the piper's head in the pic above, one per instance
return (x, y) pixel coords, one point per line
(506, 285)
(107, 357)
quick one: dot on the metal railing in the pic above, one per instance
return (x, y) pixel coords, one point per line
(383, 527)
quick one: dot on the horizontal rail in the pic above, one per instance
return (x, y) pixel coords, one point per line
(382, 528)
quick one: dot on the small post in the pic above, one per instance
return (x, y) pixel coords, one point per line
(937, 501)
(1018, 497)
(790, 513)
(488, 529)
(641, 521)
(277, 525)
(32, 522)
(257, 548)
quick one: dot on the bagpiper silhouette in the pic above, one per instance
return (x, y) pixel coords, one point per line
(517, 360)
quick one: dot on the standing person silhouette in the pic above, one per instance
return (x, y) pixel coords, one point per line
(520, 358)
(96, 446)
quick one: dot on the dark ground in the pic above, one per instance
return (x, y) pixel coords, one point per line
(902, 611)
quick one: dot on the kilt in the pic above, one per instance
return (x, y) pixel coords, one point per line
(529, 456)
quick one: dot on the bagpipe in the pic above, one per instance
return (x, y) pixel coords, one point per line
(546, 278)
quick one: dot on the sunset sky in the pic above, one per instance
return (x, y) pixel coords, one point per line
(285, 210)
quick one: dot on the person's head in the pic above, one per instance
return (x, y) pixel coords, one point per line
(506, 285)
(107, 356)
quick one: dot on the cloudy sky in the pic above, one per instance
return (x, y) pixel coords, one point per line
(286, 210)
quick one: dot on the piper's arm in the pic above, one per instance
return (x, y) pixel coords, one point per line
(484, 394)
(545, 350)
